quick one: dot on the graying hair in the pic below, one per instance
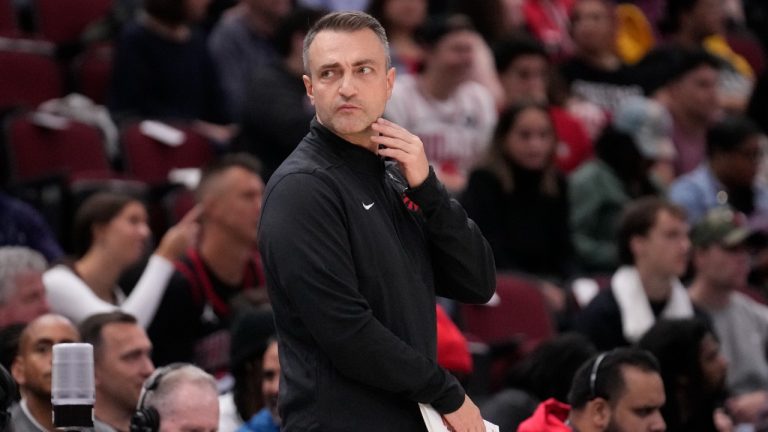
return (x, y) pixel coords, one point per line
(15, 260)
(162, 398)
(347, 22)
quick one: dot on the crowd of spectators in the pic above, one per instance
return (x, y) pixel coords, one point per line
(612, 152)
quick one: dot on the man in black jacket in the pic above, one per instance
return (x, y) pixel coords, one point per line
(357, 236)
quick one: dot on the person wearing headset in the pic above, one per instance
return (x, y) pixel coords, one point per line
(179, 397)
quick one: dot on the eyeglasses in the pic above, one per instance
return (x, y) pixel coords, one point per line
(593, 374)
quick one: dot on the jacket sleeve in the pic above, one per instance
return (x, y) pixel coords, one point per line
(461, 257)
(311, 274)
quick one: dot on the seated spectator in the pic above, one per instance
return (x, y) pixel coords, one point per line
(268, 418)
(693, 370)
(251, 333)
(166, 405)
(152, 72)
(618, 390)
(401, 20)
(685, 82)
(22, 294)
(22, 225)
(697, 24)
(519, 199)
(721, 265)
(453, 115)
(653, 251)
(548, 21)
(111, 235)
(728, 177)
(627, 150)
(545, 373)
(219, 276)
(32, 369)
(596, 73)
(242, 42)
(524, 69)
(272, 130)
(121, 364)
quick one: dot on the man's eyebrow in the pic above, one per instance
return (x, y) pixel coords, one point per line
(330, 65)
(363, 62)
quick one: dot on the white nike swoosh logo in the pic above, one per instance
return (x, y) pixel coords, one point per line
(367, 206)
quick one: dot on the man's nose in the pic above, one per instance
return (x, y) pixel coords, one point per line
(658, 424)
(347, 88)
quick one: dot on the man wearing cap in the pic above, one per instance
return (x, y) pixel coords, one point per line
(627, 152)
(728, 176)
(721, 262)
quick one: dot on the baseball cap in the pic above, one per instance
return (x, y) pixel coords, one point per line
(721, 226)
(649, 124)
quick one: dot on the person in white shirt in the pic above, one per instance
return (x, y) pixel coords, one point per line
(111, 232)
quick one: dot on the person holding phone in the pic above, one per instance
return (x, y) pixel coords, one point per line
(355, 249)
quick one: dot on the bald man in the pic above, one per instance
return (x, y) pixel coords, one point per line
(220, 275)
(32, 371)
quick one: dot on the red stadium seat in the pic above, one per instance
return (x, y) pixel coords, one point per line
(8, 26)
(149, 160)
(27, 79)
(63, 21)
(519, 314)
(92, 70)
(76, 150)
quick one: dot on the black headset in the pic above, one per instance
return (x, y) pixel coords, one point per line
(147, 419)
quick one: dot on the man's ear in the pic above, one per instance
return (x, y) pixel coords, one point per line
(17, 371)
(390, 81)
(308, 86)
(599, 413)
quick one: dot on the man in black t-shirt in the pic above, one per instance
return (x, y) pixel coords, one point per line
(218, 277)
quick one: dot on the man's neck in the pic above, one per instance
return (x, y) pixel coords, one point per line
(657, 287)
(117, 418)
(707, 295)
(41, 411)
(362, 139)
(225, 256)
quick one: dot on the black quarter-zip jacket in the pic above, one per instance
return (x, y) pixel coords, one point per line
(353, 268)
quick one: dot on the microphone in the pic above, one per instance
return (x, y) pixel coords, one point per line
(72, 386)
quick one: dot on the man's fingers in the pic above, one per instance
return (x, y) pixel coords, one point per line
(192, 215)
(390, 142)
(391, 129)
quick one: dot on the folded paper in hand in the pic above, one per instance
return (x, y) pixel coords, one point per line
(434, 420)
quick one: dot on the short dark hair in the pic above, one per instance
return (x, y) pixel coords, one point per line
(729, 134)
(232, 160)
(349, 21)
(98, 209)
(603, 375)
(91, 328)
(510, 49)
(637, 220)
(667, 64)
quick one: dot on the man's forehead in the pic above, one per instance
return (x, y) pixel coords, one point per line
(333, 46)
(53, 331)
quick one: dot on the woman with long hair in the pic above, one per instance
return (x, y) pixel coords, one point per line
(519, 199)
(111, 234)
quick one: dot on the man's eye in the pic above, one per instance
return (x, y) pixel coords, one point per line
(326, 74)
(366, 70)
